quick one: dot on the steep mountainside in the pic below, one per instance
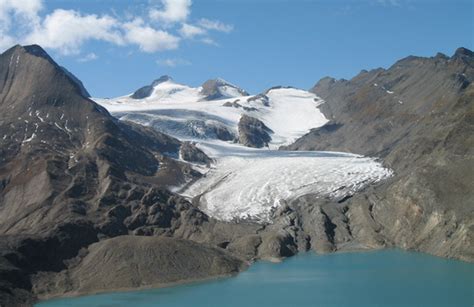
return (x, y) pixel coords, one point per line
(71, 174)
(82, 191)
(76, 183)
(418, 116)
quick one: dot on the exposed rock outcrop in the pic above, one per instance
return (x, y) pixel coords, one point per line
(215, 89)
(147, 90)
(189, 152)
(418, 116)
(253, 132)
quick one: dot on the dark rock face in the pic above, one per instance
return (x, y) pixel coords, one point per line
(147, 90)
(216, 89)
(418, 117)
(236, 104)
(81, 87)
(262, 98)
(253, 132)
(71, 174)
(189, 152)
(143, 92)
(274, 88)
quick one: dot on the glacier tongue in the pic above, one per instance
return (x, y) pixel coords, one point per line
(247, 183)
(250, 183)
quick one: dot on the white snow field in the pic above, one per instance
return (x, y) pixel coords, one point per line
(249, 183)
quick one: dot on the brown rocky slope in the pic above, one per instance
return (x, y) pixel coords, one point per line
(71, 175)
(79, 188)
(418, 117)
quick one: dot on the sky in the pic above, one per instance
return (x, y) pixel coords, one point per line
(117, 46)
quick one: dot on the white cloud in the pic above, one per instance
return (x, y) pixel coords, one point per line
(23, 14)
(209, 41)
(88, 57)
(67, 30)
(215, 25)
(190, 31)
(149, 39)
(202, 29)
(6, 41)
(173, 11)
(172, 62)
(28, 8)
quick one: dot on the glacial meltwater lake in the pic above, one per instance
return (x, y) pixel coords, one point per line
(380, 278)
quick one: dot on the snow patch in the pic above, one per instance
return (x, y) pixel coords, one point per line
(66, 127)
(39, 117)
(29, 139)
(292, 113)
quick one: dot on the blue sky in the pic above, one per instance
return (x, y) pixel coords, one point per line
(117, 46)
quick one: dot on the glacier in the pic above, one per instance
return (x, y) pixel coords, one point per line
(248, 183)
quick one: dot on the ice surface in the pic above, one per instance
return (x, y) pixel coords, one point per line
(247, 183)
(250, 183)
(290, 114)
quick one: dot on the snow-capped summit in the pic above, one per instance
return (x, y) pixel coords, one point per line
(165, 90)
(161, 90)
(147, 90)
(215, 89)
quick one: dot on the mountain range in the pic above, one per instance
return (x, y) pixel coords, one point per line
(199, 182)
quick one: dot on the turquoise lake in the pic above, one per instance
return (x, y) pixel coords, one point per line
(381, 278)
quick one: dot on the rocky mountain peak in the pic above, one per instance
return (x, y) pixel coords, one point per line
(70, 173)
(28, 71)
(38, 51)
(30, 79)
(464, 55)
(441, 56)
(161, 79)
(219, 88)
(461, 51)
(34, 50)
(147, 90)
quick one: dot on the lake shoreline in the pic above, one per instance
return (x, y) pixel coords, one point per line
(305, 269)
(350, 248)
(191, 281)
